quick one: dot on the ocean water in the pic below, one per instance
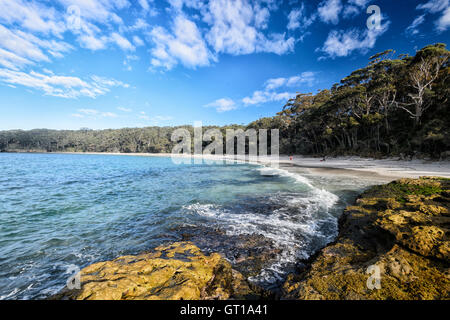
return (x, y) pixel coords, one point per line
(60, 210)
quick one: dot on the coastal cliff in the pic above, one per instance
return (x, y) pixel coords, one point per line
(399, 230)
(393, 243)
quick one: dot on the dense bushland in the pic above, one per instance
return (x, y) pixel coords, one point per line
(396, 105)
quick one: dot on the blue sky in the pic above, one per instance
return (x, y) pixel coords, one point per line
(67, 64)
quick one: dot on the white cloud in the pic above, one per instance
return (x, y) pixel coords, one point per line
(60, 86)
(93, 43)
(89, 112)
(32, 16)
(444, 21)
(20, 46)
(260, 97)
(100, 11)
(329, 11)
(307, 77)
(145, 5)
(162, 118)
(438, 6)
(412, 29)
(275, 83)
(12, 61)
(124, 109)
(297, 19)
(122, 42)
(127, 61)
(222, 105)
(185, 45)
(236, 28)
(93, 113)
(434, 6)
(138, 41)
(140, 24)
(270, 93)
(351, 11)
(343, 43)
(360, 3)
(109, 115)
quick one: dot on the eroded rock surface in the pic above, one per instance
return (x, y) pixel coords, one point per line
(171, 272)
(402, 228)
(248, 253)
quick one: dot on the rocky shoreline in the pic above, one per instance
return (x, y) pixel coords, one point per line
(393, 243)
(400, 230)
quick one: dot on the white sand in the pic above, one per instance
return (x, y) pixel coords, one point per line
(365, 167)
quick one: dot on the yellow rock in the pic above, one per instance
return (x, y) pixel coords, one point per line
(172, 272)
(403, 229)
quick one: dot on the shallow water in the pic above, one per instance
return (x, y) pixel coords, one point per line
(58, 211)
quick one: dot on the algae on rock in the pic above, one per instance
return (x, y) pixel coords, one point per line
(171, 272)
(401, 227)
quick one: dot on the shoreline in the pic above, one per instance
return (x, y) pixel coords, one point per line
(388, 169)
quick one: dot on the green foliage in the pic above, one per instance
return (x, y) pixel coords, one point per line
(393, 106)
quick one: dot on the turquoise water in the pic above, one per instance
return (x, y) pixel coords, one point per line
(59, 210)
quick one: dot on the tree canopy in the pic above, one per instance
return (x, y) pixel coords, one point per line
(395, 105)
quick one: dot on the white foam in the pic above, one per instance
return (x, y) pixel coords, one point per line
(12, 293)
(283, 226)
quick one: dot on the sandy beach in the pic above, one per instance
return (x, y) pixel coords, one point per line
(385, 169)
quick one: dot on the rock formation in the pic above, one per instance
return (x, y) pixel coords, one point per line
(400, 230)
(394, 243)
(172, 272)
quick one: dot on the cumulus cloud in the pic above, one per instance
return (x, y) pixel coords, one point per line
(19, 49)
(32, 16)
(184, 44)
(101, 11)
(138, 41)
(260, 97)
(354, 7)
(340, 43)
(196, 39)
(297, 19)
(60, 86)
(236, 28)
(270, 93)
(307, 77)
(222, 105)
(122, 42)
(329, 11)
(148, 7)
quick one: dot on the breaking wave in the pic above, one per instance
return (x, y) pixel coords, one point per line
(298, 223)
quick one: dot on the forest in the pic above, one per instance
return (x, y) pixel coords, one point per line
(397, 105)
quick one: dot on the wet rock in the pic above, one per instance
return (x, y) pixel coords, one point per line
(171, 272)
(247, 253)
(403, 229)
